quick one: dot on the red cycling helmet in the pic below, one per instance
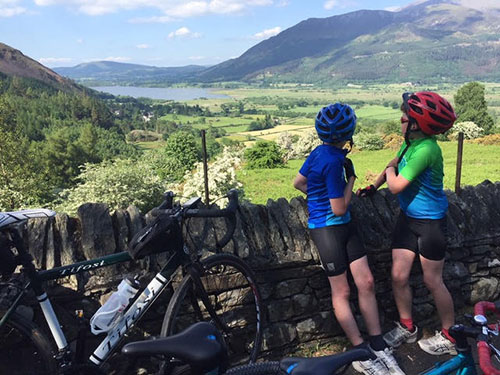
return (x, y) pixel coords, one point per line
(432, 113)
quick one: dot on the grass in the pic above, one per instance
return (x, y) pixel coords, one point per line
(377, 112)
(480, 162)
(150, 145)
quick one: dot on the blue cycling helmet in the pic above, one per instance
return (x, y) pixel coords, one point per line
(335, 123)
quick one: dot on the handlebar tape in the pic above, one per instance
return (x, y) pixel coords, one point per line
(484, 353)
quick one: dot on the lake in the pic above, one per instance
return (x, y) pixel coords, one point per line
(166, 93)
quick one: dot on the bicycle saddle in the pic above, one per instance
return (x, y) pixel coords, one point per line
(323, 365)
(7, 218)
(200, 346)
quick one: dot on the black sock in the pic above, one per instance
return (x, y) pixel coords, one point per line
(377, 343)
(363, 345)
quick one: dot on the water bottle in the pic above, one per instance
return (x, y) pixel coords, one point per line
(105, 318)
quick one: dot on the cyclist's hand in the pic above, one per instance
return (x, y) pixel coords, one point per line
(393, 163)
(349, 169)
(367, 191)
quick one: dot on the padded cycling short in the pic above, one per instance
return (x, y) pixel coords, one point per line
(338, 246)
(426, 237)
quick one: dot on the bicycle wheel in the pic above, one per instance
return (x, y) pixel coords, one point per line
(235, 297)
(24, 349)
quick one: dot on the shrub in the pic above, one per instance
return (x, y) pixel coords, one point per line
(391, 127)
(492, 139)
(221, 176)
(470, 130)
(143, 136)
(365, 141)
(306, 144)
(285, 142)
(393, 141)
(264, 155)
(118, 183)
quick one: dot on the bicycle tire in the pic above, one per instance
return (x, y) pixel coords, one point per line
(24, 349)
(262, 368)
(227, 279)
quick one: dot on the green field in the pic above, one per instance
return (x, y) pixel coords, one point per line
(479, 163)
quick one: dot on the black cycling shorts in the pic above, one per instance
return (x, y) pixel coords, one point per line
(338, 246)
(426, 237)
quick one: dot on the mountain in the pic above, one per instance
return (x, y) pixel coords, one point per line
(428, 41)
(433, 41)
(119, 73)
(14, 63)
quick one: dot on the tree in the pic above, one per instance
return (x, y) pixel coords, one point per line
(180, 155)
(264, 155)
(20, 184)
(61, 156)
(470, 105)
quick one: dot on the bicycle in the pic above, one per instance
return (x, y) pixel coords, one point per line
(220, 288)
(481, 332)
(210, 355)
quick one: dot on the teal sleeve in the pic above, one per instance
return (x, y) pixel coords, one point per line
(417, 163)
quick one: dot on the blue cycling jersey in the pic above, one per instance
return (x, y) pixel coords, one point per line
(324, 170)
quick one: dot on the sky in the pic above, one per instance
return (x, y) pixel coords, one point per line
(156, 32)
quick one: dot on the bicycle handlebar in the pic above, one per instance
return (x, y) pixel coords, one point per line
(186, 212)
(483, 346)
(482, 307)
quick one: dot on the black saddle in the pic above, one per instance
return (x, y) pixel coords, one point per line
(201, 346)
(7, 218)
(323, 365)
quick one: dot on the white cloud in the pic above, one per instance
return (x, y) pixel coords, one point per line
(156, 19)
(267, 33)
(183, 32)
(283, 3)
(330, 4)
(116, 58)
(143, 46)
(393, 9)
(481, 5)
(10, 8)
(11, 12)
(79, 40)
(196, 58)
(170, 8)
(109, 58)
(54, 60)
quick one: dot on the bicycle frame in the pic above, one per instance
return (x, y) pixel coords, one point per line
(463, 364)
(133, 313)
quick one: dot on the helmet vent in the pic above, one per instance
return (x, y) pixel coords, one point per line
(437, 129)
(446, 105)
(439, 119)
(343, 126)
(416, 109)
(324, 127)
(431, 104)
(415, 97)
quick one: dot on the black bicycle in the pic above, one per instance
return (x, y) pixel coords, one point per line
(201, 349)
(220, 288)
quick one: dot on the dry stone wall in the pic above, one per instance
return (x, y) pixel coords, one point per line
(274, 239)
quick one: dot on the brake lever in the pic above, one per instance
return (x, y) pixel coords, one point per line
(495, 351)
(495, 331)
